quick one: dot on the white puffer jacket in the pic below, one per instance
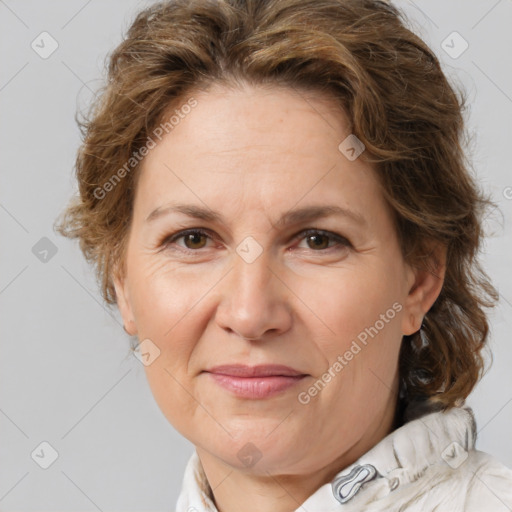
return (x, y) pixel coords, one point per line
(428, 464)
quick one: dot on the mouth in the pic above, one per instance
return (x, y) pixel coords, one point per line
(255, 382)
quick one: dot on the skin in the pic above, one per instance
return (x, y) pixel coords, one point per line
(254, 153)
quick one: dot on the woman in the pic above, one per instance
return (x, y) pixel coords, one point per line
(318, 343)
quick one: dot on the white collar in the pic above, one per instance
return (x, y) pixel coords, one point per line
(399, 458)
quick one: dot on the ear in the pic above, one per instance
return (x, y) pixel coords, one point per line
(425, 283)
(124, 303)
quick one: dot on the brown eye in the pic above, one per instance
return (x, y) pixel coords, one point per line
(193, 239)
(318, 241)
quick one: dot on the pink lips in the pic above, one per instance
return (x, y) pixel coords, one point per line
(255, 382)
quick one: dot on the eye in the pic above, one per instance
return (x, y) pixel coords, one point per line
(192, 238)
(316, 239)
(320, 239)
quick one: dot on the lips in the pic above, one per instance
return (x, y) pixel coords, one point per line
(255, 382)
(263, 370)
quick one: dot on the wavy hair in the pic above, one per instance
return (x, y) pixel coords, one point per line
(398, 102)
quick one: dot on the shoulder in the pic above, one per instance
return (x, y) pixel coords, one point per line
(446, 471)
(490, 486)
(473, 481)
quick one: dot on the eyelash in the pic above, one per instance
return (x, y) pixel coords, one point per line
(340, 240)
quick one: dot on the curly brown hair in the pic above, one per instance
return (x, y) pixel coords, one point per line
(398, 102)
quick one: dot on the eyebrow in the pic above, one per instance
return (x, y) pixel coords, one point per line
(297, 216)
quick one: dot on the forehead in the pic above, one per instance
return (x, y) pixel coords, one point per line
(249, 120)
(255, 146)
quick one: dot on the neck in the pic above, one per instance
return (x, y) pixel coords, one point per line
(234, 490)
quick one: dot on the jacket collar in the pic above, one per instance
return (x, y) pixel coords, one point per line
(400, 458)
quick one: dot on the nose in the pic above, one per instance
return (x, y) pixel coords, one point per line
(255, 303)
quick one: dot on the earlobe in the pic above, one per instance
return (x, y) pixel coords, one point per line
(427, 283)
(124, 304)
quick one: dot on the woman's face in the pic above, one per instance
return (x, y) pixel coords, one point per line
(291, 245)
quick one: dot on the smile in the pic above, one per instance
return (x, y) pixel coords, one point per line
(255, 382)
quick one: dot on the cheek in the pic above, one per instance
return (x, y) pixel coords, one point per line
(353, 303)
(163, 296)
(172, 394)
(167, 309)
(362, 309)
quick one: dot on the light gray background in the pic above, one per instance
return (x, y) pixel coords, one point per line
(66, 375)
